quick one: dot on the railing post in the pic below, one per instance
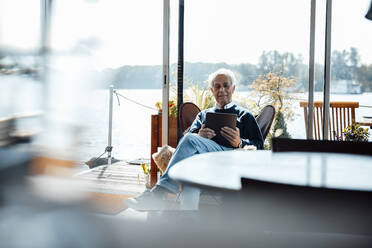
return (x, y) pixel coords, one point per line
(109, 143)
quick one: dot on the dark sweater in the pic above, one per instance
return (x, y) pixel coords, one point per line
(249, 131)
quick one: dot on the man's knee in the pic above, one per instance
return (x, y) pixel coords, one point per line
(191, 138)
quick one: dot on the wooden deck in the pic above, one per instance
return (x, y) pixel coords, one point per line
(119, 178)
(125, 180)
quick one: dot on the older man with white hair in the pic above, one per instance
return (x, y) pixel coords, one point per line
(200, 139)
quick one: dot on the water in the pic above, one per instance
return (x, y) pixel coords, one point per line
(131, 131)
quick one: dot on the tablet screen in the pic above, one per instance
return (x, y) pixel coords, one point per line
(216, 121)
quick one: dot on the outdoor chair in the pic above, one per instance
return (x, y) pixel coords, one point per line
(341, 115)
(302, 145)
(189, 110)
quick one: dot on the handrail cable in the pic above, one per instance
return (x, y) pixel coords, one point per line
(133, 101)
(365, 106)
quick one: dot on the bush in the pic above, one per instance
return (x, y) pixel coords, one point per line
(355, 132)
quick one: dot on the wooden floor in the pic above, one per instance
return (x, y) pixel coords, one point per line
(119, 178)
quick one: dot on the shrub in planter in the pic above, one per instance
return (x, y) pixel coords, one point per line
(355, 132)
(280, 126)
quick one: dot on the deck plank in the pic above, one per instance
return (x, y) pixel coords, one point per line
(118, 178)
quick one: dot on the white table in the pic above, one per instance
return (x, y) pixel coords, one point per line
(285, 191)
(225, 169)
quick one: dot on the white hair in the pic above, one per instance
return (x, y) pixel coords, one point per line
(222, 71)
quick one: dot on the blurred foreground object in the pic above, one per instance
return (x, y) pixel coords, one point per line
(369, 13)
(13, 167)
(12, 134)
(42, 212)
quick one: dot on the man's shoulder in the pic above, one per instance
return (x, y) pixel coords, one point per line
(203, 113)
(239, 110)
(242, 110)
(212, 109)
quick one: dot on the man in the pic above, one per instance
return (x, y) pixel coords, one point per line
(199, 139)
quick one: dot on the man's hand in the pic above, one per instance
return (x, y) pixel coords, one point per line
(233, 136)
(206, 132)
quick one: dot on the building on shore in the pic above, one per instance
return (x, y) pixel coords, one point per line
(345, 87)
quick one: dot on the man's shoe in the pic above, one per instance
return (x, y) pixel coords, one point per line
(150, 200)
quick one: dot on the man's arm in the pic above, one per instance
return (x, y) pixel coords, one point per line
(249, 135)
(233, 136)
(197, 123)
(198, 127)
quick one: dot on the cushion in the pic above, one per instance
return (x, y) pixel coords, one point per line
(162, 157)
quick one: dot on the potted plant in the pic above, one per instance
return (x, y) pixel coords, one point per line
(355, 132)
(172, 108)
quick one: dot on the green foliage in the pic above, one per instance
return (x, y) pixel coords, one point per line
(279, 130)
(200, 95)
(355, 132)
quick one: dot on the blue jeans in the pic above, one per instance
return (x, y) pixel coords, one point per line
(190, 145)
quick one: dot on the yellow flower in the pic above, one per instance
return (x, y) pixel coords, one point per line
(145, 169)
(158, 105)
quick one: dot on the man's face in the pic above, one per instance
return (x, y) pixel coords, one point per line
(222, 90)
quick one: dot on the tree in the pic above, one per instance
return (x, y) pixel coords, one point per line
(344, 64)
(364, 76)
(274, 88)
(248, 73)
(354, 60)
(293, 65)
(339, 67)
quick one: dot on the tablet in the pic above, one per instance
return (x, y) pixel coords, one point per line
(216, 121)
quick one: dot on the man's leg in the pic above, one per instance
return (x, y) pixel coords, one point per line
(190, 197)
(189, 145)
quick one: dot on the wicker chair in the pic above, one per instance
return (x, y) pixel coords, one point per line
(188, 112)
(265, 119)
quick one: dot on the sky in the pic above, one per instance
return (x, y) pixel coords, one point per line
(129, 32)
